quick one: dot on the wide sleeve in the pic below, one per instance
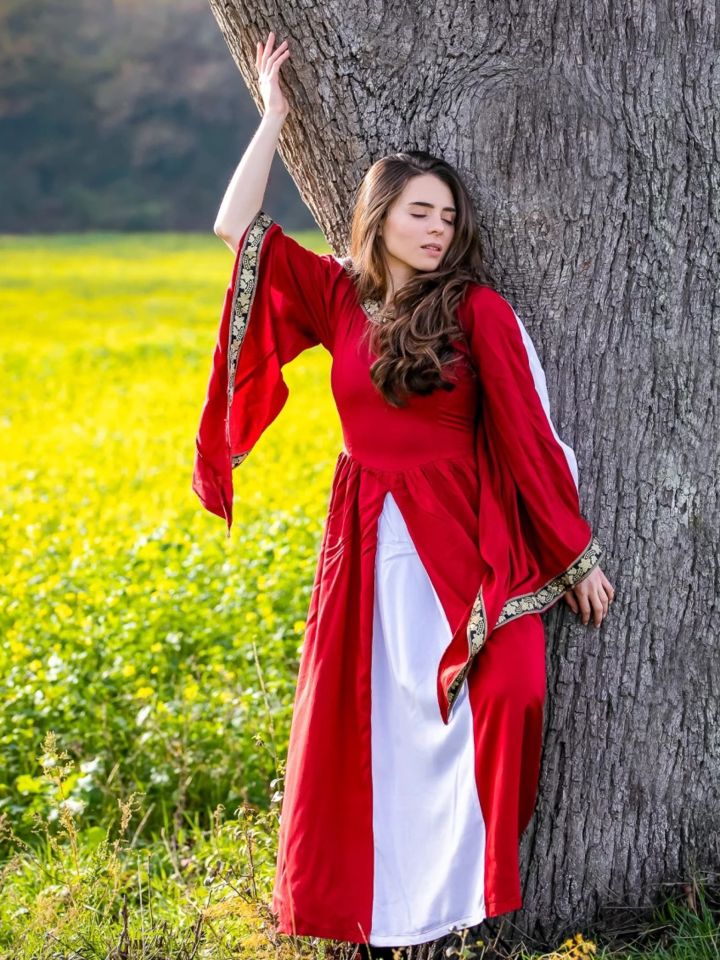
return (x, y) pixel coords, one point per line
(277, 304)
(552, 544)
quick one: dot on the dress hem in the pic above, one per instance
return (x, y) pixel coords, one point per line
(503, 906)
(424, 936)
(400, 939)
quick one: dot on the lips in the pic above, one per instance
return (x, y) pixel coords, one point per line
(433, 247)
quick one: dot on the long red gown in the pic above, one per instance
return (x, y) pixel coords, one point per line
(452, 524)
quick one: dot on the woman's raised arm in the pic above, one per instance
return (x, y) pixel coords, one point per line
(246, 190)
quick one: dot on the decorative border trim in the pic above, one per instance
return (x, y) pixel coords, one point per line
(476, 633)
(371, 307)
(477, 625)
(515, 607)
(242, 301)
(547, 595)
(454, 688)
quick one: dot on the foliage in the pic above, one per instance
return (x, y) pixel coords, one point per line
(96, 892)
(121, 116)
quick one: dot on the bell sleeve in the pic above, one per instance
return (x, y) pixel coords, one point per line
(551, 546)
(277, 304)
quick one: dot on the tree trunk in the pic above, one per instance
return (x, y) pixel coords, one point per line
(589, 139)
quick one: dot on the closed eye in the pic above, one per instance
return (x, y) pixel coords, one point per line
(450, 223)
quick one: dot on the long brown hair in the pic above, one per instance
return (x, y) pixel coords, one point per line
(414, 342)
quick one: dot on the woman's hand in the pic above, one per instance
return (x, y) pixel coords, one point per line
(268, 64)
(593, 594)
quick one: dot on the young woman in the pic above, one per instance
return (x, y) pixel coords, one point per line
(453, 523)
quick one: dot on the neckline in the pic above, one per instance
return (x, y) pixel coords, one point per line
(370, 307)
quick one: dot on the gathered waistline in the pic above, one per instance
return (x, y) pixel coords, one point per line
(345, 454)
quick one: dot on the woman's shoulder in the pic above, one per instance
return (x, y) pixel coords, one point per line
(483, 295)
(269, 234)
(483, 306)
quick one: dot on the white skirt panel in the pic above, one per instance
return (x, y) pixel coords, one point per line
(428, 829)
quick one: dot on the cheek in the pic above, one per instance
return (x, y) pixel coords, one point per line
(404, 235)
(407, 231)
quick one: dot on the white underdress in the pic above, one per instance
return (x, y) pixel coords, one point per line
(428, 828)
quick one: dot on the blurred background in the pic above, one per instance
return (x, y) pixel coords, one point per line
(123, 115)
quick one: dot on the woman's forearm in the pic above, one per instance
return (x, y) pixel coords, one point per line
(246, 190)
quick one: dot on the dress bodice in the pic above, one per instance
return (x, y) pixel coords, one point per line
(384, 437)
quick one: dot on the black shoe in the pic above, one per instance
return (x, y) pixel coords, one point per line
(375, 953)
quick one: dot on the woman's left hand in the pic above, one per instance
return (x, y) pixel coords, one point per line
(593, 594)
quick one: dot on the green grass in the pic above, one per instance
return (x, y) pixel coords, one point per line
(157, 655)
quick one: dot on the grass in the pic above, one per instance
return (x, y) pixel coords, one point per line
(148, 663)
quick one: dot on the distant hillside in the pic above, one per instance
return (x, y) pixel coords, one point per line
(122, 116)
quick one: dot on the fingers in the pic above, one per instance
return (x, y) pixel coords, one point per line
(266, 57)
(584, 604)
(571, 601)
(594, 602)
(591, 597)
(268, 46)
(603, 600)
(608, 587)
(275, 63)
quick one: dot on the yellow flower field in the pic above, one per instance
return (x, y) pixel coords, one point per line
(130, 619)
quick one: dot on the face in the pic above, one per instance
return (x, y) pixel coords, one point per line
(423, 214)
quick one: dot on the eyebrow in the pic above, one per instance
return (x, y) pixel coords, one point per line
(424, 203)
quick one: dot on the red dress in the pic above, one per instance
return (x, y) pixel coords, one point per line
(452, 524)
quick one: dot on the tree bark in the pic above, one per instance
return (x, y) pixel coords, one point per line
(589, 138)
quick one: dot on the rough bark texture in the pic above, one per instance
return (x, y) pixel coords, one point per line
(590, 140)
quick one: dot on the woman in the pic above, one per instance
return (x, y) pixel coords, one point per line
(453, 523)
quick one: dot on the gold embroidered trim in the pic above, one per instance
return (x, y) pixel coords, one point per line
(477, 625)
(517, 606)
(476, 634)
(242, 301)
(373, 308)
(544, 597)
(454, 687)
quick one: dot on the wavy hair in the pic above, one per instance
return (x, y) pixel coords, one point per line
(413, 344)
